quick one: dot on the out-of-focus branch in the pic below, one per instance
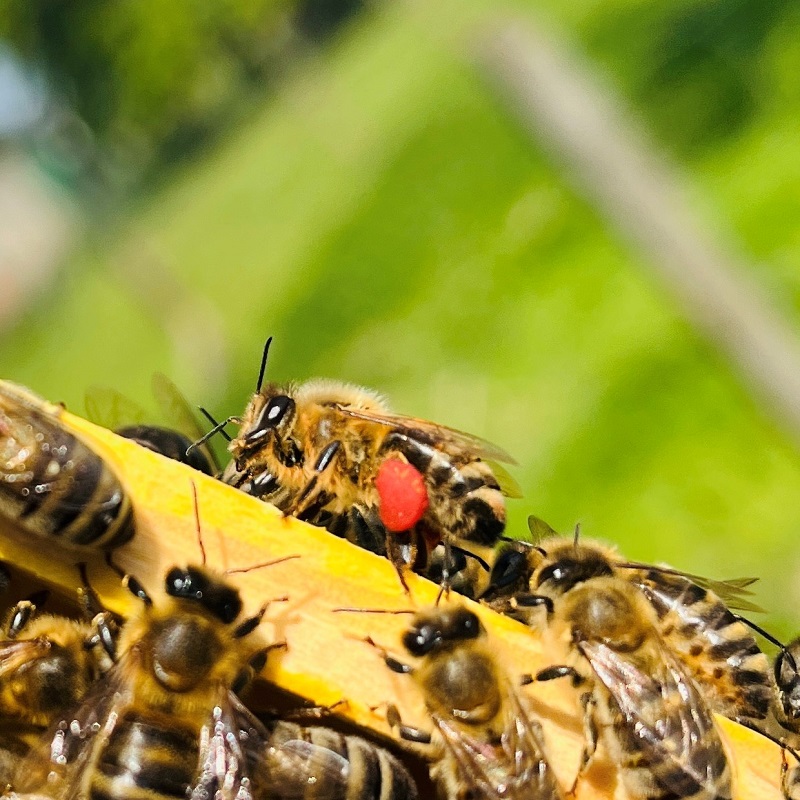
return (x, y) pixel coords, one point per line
(586, 126)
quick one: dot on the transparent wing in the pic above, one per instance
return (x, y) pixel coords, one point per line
(508, 484)
(176, 409)
(17, 653)
(110, 409)
(242, 760)
(539, 529)
(665, 711)
(733, 592)
(430, 432)
(513, 768)
(57, 765)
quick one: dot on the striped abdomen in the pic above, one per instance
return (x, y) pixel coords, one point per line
(665, 779)
(147, 758)
(465, 497)
(717, 649)
(52, 484)
(373, 773)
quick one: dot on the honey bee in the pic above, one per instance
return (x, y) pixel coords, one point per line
(165, 722)
(639, 697)
(53, 484)
(333, 453)
(47, 664)
(714, 644)
(485, 743)
(112, 410)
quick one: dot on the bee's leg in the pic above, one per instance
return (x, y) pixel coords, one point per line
(533, 600)
(324, 460)
(256, 663)
(405, 731)
(395, 555)
(313, 713)
(590, 736)
(22, 613)
(393, 664)
(136, 589)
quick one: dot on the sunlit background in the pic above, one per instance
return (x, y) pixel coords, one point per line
(180, 180)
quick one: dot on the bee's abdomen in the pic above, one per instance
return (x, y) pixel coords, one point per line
(146, 759)
(716, 648)
(465, 499)
(66, 490)
(702, 774)
(374, 773)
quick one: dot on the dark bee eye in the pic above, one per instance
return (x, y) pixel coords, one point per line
(270, 417)
(186, 584)
(558, 573)
(420, 641)
(508, 569)
(465, 626)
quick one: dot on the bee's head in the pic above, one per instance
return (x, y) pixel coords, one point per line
(787, 677)
(511, 572)
(441, 629)
(212, 594)
(567, 565)
(270, 413)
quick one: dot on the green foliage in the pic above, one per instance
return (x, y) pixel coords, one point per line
(391, 224)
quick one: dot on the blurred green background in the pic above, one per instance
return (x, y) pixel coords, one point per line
(342, 177)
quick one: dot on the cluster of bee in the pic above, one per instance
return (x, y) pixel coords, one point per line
(149, 707)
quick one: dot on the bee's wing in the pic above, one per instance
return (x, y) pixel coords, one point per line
(539, 529)
(17, 653)
(665, 711)
(110, 409)
(57, 764)
(175, 407)
(179, 414)
(508, 484)
(431, 432)
(239, 762)
(732, 592)
(514, 769)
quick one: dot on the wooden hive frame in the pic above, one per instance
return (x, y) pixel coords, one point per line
(327, 660)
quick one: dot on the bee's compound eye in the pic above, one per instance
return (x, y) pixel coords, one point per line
(419, 641)
(466, 626)
(270, 417)
(508, 569)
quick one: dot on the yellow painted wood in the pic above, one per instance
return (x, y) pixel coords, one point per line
(327, 659)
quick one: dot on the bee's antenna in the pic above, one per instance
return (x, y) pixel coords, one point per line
(240, 570)
(197, 523)
(352, 610)
(213, 421)
(263, 365)
(577, 535)
(213, 432)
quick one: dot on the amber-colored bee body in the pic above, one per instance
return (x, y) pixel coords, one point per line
(315, 449)
(714, 645)
(47, 664)
(638, 697)
(52, 484)
(485, 742)
(164, 722)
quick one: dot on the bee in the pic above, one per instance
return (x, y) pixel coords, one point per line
(638, 695)
(714, 644)
(165, 721)
(52, 484)
(112, 410)
(333, 453)
(485, 742)
(47, 664)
